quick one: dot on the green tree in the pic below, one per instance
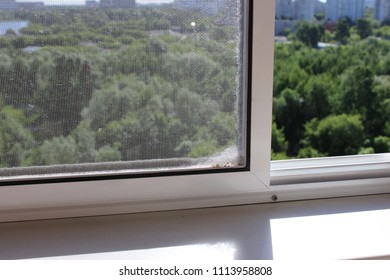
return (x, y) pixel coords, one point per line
(220, 34)
(309, 34)
(335, 135)
(156, 46)
(289, 115)
(59, 150)
(68, 92)
(279, 144)
(342, 31)
(10, 32)
(118, 96)
(86, 144)
(223, 127)
(364, 28)
(19, 93)
(382, 144)
(16, 140)
(108, 154)
(317, 93)
(380, 106)
(357, 91)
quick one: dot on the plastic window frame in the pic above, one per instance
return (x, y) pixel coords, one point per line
(264, 182)
(104, 197)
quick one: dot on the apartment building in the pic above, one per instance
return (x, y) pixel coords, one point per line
(352, 9)
(295, 9)
(382, 10)
(284, 9)
(204, 6)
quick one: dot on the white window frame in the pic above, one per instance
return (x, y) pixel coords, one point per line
(105, 197)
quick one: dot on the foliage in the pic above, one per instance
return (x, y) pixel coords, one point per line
(342, 31)
(309, 34)
(15, 140)
(343, 91)
(130, 84)
(335, 135)
(363, 27)
(59, 150)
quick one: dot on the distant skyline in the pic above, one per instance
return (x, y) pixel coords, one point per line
(82, 2)
(153, 1)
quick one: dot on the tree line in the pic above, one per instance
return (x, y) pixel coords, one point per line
(103, 87)
(119, 85)
(336, 100)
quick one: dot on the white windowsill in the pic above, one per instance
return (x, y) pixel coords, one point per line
(351, 228)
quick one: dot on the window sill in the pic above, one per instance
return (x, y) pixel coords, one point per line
(242, 232)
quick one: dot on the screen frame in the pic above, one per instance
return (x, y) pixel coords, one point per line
(60, 198)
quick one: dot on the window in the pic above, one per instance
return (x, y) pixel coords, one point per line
(227, 186)
(330, 98)
(330, 94)
(330, 80)
(120, 88)
(61, 198)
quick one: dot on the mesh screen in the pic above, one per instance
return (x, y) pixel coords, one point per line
(90, 86)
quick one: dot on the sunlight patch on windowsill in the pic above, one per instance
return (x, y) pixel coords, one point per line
(201, 252)
(334, 236)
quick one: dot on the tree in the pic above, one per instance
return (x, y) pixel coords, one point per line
(19, 93)
(67, 93)
(193, 110)
(118, 96)
(279, 143)
(335, 135)
(309, 34)
(289, 115)
(10, 32)
(220, 34)
(223, 127)
(108, 154)
(59, 150)
(364, 28)
(357, 90)
(192, 67)
(382, 144)
(342, 31)
(317, 93)
(156, 46)
(86, 144)
(15, 140)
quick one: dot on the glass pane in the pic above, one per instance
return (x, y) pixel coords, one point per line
(331, 79)
(122, 86)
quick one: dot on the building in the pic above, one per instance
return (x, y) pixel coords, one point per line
(294, 9)
(304, 9)
(382, 10)
(352, 9)
(208, 7)
(319, 7)
(117, 3)
(91, 4)
(30, 5)
(284, 9)
(232, 12)
(7, 4)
